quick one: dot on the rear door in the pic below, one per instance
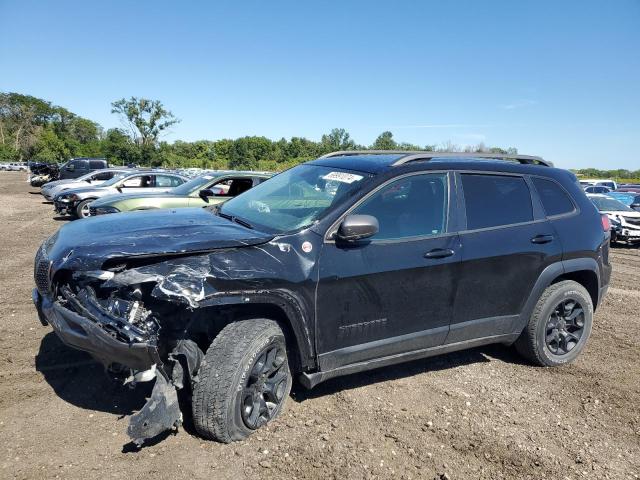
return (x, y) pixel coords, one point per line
(506, 244)
(392, 293)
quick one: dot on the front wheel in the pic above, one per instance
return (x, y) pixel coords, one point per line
(559, 325)
(244, 380)
(82, 210)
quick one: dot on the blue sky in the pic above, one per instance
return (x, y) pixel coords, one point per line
(557, 79)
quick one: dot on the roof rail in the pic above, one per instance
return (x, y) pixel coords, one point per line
(411, 156)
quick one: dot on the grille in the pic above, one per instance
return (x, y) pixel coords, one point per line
(632, 220)
(41, 271)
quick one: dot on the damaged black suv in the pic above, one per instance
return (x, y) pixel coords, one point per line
(350, 262)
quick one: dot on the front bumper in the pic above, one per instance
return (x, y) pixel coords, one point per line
(629, 235)
(63, 207)
(90, 336)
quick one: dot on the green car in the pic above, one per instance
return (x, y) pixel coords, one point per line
(209, 189)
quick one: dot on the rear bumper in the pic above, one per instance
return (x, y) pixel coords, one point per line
(90, 336)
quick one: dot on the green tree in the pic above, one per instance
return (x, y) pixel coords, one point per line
(147, 119)
(385, 141)
(50, 147)
(337, 139)
(118, 148)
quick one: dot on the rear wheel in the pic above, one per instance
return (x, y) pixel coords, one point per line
(82, 210)
(559, 325)
(244, 381)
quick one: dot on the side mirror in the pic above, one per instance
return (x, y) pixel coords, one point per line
(635, 205)
(205, 193)
(70, 168)
(357, 227)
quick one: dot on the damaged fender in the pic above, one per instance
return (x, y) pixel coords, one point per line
(160, 413)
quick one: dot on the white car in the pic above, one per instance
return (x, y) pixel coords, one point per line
(625, 221)
(97, 177)
(611, 184)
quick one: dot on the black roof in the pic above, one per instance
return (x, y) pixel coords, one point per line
(379, 161)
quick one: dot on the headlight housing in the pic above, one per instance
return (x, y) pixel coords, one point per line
(71, 197)
(103, 210)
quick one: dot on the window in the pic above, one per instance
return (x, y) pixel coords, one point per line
(494, 200)
(142, 181)
(167, 181)
(236, 186)
(294, 198)
(80, 164)
(409, 207)
(597, 189)
(103, 176)
(554, 199)
(96, 164)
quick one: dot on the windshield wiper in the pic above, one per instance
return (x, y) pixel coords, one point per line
(244, 223)
(237, 220)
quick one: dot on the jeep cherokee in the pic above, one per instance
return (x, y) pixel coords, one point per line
(353, 261)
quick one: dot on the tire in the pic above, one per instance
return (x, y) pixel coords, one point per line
(82, 210)
(534, 344)
(223, 409)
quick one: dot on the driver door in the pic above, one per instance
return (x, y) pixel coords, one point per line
(392, 293)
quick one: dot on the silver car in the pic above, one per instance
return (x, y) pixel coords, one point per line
(75, 201)
(97, 177)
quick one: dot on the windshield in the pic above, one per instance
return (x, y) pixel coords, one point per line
(606, 204)
(116, 178)
(295, 198)
(193, 184)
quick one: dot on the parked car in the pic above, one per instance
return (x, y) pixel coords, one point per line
(75, 201)
(630, 199)
(42, 172)
(629, 188)
(597, 189)
(200, 191)
(627, 218)
(350, 262)
(610, 184)
(77, 167)
(16, 167)
(97, 177)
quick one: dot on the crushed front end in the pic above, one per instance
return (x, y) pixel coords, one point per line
(112, 323)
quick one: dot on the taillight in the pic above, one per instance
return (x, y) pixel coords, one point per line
(606, 223)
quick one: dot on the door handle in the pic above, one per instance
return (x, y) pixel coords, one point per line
(542, 239)
(439, 253)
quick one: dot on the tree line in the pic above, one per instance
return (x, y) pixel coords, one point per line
(35, 129)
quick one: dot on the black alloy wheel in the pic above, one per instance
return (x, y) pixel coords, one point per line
(565, 327)
(266, 386)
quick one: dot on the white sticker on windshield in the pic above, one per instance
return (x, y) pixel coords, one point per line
(342, 177)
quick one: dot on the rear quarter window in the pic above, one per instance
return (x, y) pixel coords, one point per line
(496, 200)
(553, 197)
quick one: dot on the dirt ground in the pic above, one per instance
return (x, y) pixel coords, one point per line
(479, 414)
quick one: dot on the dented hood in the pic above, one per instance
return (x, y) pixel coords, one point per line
(147, 233)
